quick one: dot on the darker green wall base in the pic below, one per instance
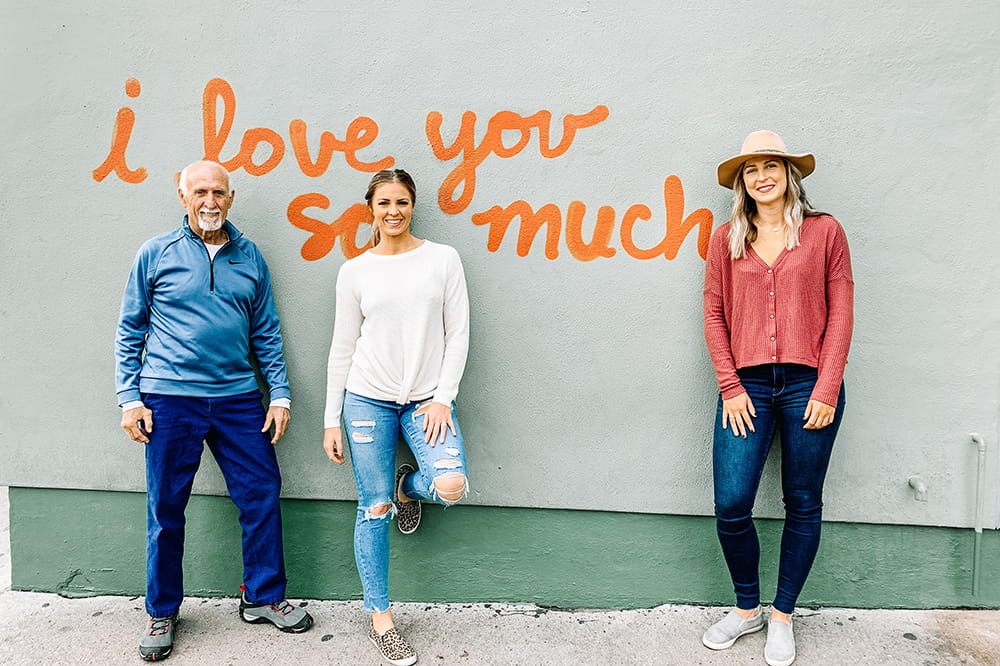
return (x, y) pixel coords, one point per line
(82, 543)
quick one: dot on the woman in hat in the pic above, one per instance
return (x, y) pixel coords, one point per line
(400, 340)
(778, 319)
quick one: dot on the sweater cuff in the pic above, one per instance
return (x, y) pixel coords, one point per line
(128, 395)
(732, 392)
(279, 392)
(444, 397)
(825, 397)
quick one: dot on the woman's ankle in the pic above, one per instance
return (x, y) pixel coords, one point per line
(382, 622)
(781, 617)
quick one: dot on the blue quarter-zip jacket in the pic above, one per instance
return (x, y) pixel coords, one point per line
(198, 320)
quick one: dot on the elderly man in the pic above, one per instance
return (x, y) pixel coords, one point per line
(197, 305)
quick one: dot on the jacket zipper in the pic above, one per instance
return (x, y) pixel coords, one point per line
(211, 265)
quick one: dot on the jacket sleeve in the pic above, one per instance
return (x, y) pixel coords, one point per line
(456, 331)
(265, 335)
(133, 325)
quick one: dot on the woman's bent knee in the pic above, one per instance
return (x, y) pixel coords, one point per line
(450, 488)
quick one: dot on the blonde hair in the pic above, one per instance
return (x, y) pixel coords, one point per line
(381, 178)
(797, 208)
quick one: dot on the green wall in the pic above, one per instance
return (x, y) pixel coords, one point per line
(84, 542)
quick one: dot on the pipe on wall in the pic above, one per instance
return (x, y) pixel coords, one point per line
(980, 510)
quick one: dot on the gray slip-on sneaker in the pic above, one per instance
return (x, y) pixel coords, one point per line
(393, 647)
(283, 615)
(407, 513)
(157, 640)
(779, 650)
(724, 633)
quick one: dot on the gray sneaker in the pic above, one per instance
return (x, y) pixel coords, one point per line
(780, 647)
(283, 615)
(724, 633)
(157, 641)
(393, 647)
(407, 513)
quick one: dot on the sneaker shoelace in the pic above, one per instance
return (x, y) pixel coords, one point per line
(159, 625)
(283, 607)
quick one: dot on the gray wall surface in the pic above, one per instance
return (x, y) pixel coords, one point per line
(588, 385)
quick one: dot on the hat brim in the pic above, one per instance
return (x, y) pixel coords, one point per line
(729, 169)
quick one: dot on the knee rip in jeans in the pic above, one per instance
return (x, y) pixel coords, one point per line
(449, 488)
(381, 511)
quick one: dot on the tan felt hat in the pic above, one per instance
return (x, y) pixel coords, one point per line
(757, 144)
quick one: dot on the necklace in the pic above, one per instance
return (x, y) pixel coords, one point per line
(760, 227)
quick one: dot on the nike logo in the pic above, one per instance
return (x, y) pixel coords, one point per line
(235, 262)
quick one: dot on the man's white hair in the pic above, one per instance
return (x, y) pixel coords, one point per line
(182, 183)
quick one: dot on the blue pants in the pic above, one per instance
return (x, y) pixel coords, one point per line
(373, 428)
(780, 393)
(231, 428)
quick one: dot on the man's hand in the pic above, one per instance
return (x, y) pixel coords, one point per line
(279, 416)
(138, 423)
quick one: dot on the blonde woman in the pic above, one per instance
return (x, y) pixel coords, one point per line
(778, 320)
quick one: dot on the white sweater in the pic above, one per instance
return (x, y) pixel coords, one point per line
(402, 328)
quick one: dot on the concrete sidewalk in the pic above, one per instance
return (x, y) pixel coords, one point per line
(46, 628)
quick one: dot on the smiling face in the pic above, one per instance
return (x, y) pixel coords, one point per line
(766, 180)
(206, 195)
(392, 208)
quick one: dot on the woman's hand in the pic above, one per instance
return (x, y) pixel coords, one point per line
(738, 412)
(436, 419)
(818, 415)
(333, 445)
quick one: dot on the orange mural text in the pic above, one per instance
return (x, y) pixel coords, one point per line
(324, 236)
(462, 179)
(676, 227)
(115, 161)
(361, 132)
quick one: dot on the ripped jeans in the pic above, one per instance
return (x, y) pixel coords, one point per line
(373, 428)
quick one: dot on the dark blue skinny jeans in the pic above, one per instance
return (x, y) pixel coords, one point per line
(780, 393)
(231, 428)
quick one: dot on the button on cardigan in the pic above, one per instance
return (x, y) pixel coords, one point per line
(798, 310)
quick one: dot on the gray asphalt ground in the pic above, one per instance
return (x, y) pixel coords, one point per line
(49, 629)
